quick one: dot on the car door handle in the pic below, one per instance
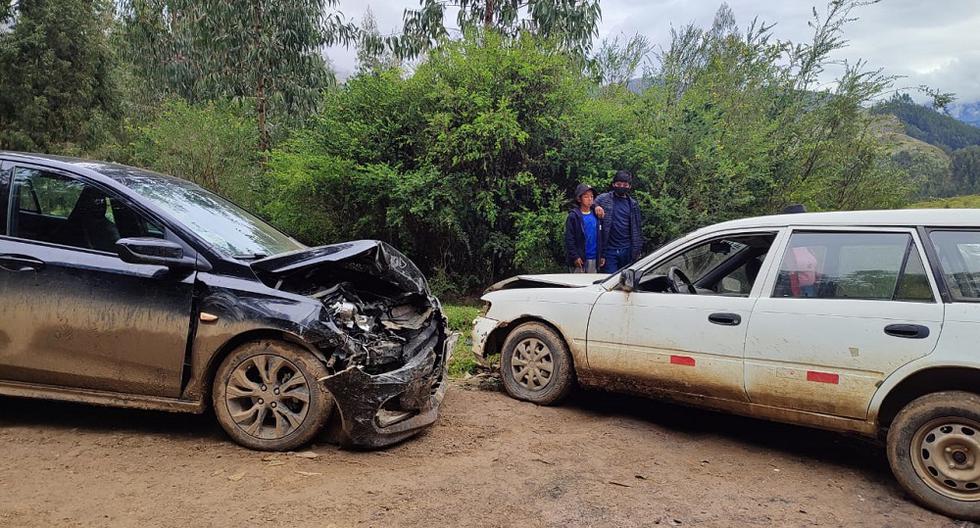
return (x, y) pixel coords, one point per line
(725, 319)
(908, 331)
(18, 263)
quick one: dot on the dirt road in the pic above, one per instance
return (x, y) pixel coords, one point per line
(600, 460)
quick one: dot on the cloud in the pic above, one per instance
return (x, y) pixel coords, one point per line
(932, 43)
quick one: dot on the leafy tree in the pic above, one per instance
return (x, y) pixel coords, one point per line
(468, 164)
(212, 144)
(369, 57)
(616, 63)
(56, 89)
(572, 23)
(966, 168)
(266, 51)
(449, 164)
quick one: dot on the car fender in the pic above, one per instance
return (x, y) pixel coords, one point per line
(565, 309)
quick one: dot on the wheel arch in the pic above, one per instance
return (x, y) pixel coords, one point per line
(249, 336)
(496, 338)
(923, 382)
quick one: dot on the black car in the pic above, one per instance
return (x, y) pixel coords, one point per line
(130, 288)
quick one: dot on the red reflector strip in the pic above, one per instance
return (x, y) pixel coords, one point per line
(682, 360)
(822, 377)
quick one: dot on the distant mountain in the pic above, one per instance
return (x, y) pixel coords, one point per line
(926, 124)
(966, 112)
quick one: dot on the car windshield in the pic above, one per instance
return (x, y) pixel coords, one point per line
(227, 227)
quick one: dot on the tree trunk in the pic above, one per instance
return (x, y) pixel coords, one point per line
(260, 110)
(261, 101)
(488, 15)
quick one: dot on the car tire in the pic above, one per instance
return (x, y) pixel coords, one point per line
(934, 452)
(267, 396)
(527, 353)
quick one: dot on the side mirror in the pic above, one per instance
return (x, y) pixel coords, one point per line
(629, 279)
(154, 251)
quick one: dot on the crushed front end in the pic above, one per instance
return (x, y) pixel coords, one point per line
(382, 334)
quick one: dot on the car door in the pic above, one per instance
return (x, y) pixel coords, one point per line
(843, 309)
(73, 314)
(682, 342)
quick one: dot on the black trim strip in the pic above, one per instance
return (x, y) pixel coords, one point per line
(934, 264)
(901, 269)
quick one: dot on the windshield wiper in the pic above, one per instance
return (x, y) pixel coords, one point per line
(250, 256)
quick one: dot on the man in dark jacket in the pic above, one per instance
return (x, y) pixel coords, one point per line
(621, 224)
(583, 234)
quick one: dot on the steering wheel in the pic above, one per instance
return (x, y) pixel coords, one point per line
(676, 278)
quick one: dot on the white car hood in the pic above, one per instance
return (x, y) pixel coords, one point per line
(554, 280)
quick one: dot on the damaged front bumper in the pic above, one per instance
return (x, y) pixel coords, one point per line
(381, 409)
(381, 333)
(482, 327)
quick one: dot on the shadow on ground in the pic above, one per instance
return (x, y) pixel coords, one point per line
(823, 447)
(21, 412)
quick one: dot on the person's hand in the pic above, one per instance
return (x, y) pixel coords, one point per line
(600, 212)
(579, 263)
(602, 262)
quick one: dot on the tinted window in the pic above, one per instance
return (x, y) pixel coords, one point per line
(876, 266)
(50, 207)
(959, 254)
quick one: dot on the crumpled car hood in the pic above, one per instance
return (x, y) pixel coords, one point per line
(554, 280)
(371, 257)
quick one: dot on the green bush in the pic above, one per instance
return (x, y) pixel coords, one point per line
(468, 163)
(211, 144)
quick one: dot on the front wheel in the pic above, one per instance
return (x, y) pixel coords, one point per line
(535, 365)
(266, 396)
(934, 452)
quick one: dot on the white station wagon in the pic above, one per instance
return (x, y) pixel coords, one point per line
(865, 322)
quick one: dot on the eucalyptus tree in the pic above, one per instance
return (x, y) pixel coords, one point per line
(270, 52)
(572, 23)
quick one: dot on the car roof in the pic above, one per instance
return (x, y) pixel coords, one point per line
(882, 218)
(112, 171)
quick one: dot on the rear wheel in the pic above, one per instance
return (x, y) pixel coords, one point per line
(934, 452)
(266, 396)
(535, 365)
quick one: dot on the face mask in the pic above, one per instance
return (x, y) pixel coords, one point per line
(620, 192)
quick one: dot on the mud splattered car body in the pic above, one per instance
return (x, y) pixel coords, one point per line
(142, 312)
(862, 321)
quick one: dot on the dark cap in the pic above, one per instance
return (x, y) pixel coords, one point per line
(623, 176)
(581, 189)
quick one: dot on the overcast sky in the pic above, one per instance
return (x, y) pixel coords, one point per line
(931, 42)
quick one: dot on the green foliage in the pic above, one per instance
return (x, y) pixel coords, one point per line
(615, 63)
(467, 164)
(572, 24)
(956, 202)
(265, 51)
(212, 144)
(461, 320)
(56, 89)
(446, 164)
(966, 168)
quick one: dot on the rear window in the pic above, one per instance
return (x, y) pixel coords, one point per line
(870, 266)
(959, 255)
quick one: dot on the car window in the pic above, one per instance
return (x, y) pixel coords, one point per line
(51, 207)
(725, 266)
(871, 266)
(959, 255)
(225, 226)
